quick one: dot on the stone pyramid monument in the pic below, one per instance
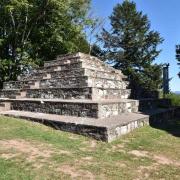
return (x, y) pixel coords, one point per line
(77, 93)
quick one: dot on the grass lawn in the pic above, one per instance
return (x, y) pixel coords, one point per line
(33, 151)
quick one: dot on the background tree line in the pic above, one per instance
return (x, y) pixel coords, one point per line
(33, 31)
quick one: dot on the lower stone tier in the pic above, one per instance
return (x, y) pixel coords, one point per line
(79, 108)
(107, 129)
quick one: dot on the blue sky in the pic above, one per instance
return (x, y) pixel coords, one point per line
(164, 16)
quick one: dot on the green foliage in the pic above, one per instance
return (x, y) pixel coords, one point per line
(175, 99)
(97, 51)
(32, 31)
(132, 47)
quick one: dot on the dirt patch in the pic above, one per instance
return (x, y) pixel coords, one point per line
(89, 146)
(143, 172)
(75, 173)
(118, 147)
(24, 147)
(88, 158)
(139, 153)
(8, 156)
(160, 159)
(34, 152)
(64, 152)
(165, 161)
(93, 144)
(73, 137)
(121, 164)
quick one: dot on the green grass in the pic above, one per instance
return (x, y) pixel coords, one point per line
(33, 151)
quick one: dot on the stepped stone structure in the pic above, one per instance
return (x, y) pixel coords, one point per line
(77, 93)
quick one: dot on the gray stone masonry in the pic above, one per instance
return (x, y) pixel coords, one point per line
(77, 93)
(79, 108)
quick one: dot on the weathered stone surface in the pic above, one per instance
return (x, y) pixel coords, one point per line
(107, 129)
(78, 93)
(81, 94)
(12, 94)
(83, 81)
(68, 82)
(86, 60)
(5, 106)
(100, 93)
(91, 109)
(75, 73)
(17, 85)
(61, 93)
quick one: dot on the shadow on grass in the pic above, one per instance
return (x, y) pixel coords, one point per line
(171, 126)
(167, 119)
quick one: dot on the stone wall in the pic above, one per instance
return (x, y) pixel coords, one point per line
(148, 104)
(63, 93)
(74, 108)
(78, 93)
(60, 108)
(9, 94)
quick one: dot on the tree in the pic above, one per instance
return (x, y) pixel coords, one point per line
(131, 46)
(32, 31)
(92, 30)
(178, 56)
(97, 51)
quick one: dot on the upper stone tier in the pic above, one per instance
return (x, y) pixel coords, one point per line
(75, 65)
(77, 76)
(71, 71)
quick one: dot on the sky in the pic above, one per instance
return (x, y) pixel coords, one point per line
(164, 16)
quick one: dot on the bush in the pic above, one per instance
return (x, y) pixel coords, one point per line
(175, 98)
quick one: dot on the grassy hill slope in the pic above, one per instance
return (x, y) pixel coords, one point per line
(33, 151)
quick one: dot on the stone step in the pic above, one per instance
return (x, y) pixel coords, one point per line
(83, 81)
(107, 129)
(78, 93)
(80, 108)
(67, 82)
(20, 85)
(81, 61)
(9, 94)
(12, 94)
(4, 106)
(87, 61)
(72, 67)
(75, 73)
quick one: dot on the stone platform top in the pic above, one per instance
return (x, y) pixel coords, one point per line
(84, 101)
(78, 57)
(122, 119)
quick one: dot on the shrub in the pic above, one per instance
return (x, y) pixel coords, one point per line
(175, 98)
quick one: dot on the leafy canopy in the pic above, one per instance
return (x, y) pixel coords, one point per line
(131, 46)
(32, 31)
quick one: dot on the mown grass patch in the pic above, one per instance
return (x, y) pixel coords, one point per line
(33, 151)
